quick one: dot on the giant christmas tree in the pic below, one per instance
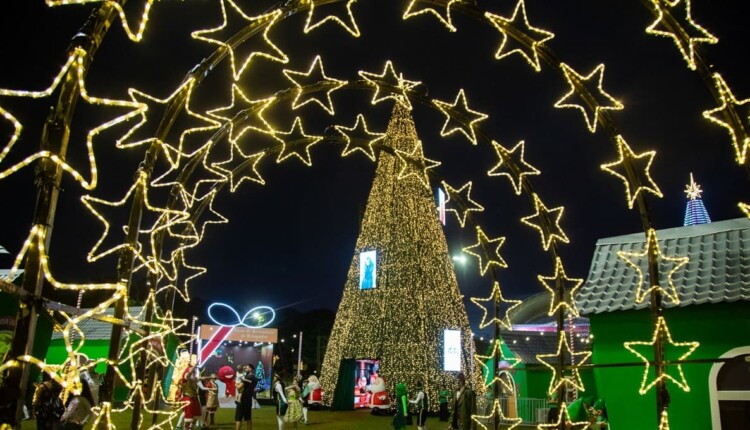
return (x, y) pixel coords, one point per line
(416, 297)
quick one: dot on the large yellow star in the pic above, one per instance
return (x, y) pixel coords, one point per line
(359, 138)
(563, 349)
(417, 8)
(640, 175)
(564, 417)
(570, 286)
(318, 76)
(496, 413)
(727, 116)
(187, 272)
(464, 203)
(496, 351)
(267, 20)
(661, 329)
(637, 259)
(134, 32)
(496, 295)
(389, 78)
(202, 180)
(512, 165)
(597, 101)
(542, 221)
(485, 253)
(667, 25)
(351, 26)
(295, 141)
(414, 163)
(464, 119)
(531, 37)
(236, 159)
(242, 104)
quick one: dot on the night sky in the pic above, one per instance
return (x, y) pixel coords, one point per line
(289, 243)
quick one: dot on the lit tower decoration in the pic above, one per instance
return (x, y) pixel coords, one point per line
(695, 212)
(401, 320)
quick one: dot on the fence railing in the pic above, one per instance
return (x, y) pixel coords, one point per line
(530, 410)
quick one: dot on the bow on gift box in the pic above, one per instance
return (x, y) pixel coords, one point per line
(256, 317)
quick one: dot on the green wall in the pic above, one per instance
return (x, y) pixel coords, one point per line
(718, 328)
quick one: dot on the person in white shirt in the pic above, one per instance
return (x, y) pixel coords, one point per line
(280, 400)
(422, 405)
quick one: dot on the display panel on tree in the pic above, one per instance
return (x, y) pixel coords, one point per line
(452, 350)
(368, 270)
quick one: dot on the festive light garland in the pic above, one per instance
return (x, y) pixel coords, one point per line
(351, 27)
(317, 67)
(134, 33)
(496, 295)
(722, 117)
(496, 413)
(415, 8)
(633, 186)
(464, 202)
(665, 27)
(503, 24)
(502, 168)
(482, 249)
(247, 174)
(458, 115)
(361, 133)
(579, 83)
(542, 217)
(257, 107)
(558, 380)
(571, 286)
(293, 139)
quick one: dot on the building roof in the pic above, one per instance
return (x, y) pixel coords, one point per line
(718, 269)
(525, 345)
(97, 330)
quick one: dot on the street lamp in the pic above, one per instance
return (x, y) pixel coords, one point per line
(460, 259)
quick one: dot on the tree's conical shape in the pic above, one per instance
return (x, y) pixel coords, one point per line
(401, 321)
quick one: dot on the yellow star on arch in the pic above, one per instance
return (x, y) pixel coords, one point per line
(350, 27)
(267, 20)
(542, 221)
(496, 294)
(484, 248)
(463, 117)
(571, 286)
(745, 208)
(359, 133)
(236, 159)
(512, 165)
(641, 164)
(416, 8)
(636, 259)
(140, 27)
(564, 417)
(661, 329)
(331, 83)
(574, 380)
(727, 117)
(293, 140)
(390, 78)
(580, 84)
(665, 23)
(497, 413)
(414, 163)
(462, 196)
(241, 103)
(537, 36)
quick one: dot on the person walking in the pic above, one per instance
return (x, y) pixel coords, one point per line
(244, 411)
(78, 410)
(464, 407)
(421, 404)
(279, 400)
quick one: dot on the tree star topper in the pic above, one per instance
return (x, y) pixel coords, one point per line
(416, 8)
(463, 202)
(665, 23)
(558, 380)
(484, 249)
(463, 117)
(579, 88)
(415, 164)
(496, 295)
(727, 117)
(641, 164)
(571, 286)
(533, 37)
(359, 133)
(350, 27)
(542, 221)
(390, 78)
(661, 329)
(693, 190)
(293, 139)
(497, 413)
(317, 68)
(512, 165)
(140, 27)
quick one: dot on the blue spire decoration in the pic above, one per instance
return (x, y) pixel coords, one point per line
(695, 213)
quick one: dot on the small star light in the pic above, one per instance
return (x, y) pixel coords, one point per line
(497, 413)
(463, 117)
(574, 380)
(295, 141)
(236, 159)
(390, 78)
(531, 35)
(497, 294)
(268, 20)
(664, 420)
(570, 285)
(634, 260)
(563, 417)
(242, 104)
(139, 28)
(542, 221)
(414, 163)
(350, 26)
(667, 25)
(512, 165)
(76, 67)
(662, 330)
(316, 74)
(597, 100)
(727, 117)
(359, 138)
(693, 190)
(484, 248)
(462, 196)
(496, 350)
(745, 208)
(417, 8)
(641, 164)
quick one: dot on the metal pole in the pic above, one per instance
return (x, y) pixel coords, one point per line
(299, 356)
(140, 371)
(496, 359)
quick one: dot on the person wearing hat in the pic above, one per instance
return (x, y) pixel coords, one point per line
(421, 402)
(464, 407)
(212, 398)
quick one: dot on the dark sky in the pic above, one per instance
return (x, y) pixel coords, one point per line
(290, 243)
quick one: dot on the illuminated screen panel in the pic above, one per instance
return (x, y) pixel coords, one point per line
(452, 350)
(368, 270)
(441, 205)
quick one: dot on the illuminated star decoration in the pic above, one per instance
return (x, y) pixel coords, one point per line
(496, 294)
(634, 260)
(464, 203)
(228, 167)
(390, 78)
(320, 76)
(563, 417)
(241, 103)
(497, 413)
(542, 221)
(414, 163)
(693, 190)
(744, 207)
(599, 97)
(515, 170)
(662, 330)
(295, 141)
(726, 116)
(641, 165)
(664, 420)
(74, 65)
(464, 119)
(663, 26)
(536, 35)
(496, 350)
(416, 8)
(140, 27)
(571, 286)
(484, 249)
(574, 380)
(268, 20)
(350, 26)
(359, 138)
